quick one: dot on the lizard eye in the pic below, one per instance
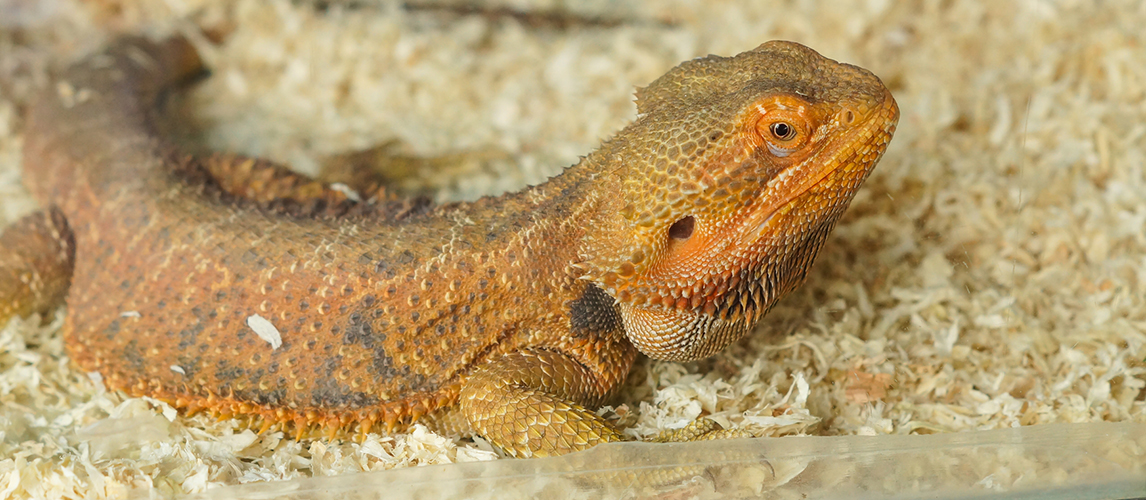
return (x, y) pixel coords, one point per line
(782, 134)
(782, 131)
(682, 229)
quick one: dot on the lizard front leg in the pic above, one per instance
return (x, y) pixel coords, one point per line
(535, 403)
(532, 403)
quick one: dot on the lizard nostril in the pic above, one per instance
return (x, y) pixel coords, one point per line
(849, 116)
(682, 229)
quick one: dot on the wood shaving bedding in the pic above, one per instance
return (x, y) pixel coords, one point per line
(990, 274)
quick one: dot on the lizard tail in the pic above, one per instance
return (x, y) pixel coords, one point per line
(99, 109)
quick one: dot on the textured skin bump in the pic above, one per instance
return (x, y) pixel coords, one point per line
(512, 317)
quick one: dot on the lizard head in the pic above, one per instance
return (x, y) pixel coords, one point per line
(733, 175)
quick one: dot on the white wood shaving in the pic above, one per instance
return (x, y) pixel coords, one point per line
(265, 330)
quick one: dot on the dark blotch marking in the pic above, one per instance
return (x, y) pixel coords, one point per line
(189, 365)
(189, 337)
(593, 312)
(228, 373)
(133, 357)
(359, 331)
(111, 329)
(328, 393)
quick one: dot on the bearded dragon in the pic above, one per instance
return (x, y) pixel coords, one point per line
(231, 285)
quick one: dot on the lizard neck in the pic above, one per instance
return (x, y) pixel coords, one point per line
(601, 181)
(583, 207)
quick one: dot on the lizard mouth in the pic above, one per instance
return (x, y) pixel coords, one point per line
(867, 142)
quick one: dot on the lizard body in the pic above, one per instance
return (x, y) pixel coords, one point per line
(234, 286)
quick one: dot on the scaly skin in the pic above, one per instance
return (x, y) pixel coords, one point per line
(510, 317)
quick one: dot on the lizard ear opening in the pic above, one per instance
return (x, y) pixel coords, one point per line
(683, 228)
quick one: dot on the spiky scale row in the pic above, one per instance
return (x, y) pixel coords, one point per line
(312, 423)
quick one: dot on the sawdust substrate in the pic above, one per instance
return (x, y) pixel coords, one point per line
(990, 274)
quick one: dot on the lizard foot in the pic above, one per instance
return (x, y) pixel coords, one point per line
(701, 429)
(683, 480)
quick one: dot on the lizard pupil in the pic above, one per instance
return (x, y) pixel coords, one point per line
(682, 229)
(783, 131)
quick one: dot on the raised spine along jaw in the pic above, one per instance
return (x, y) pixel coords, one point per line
(733, 224)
